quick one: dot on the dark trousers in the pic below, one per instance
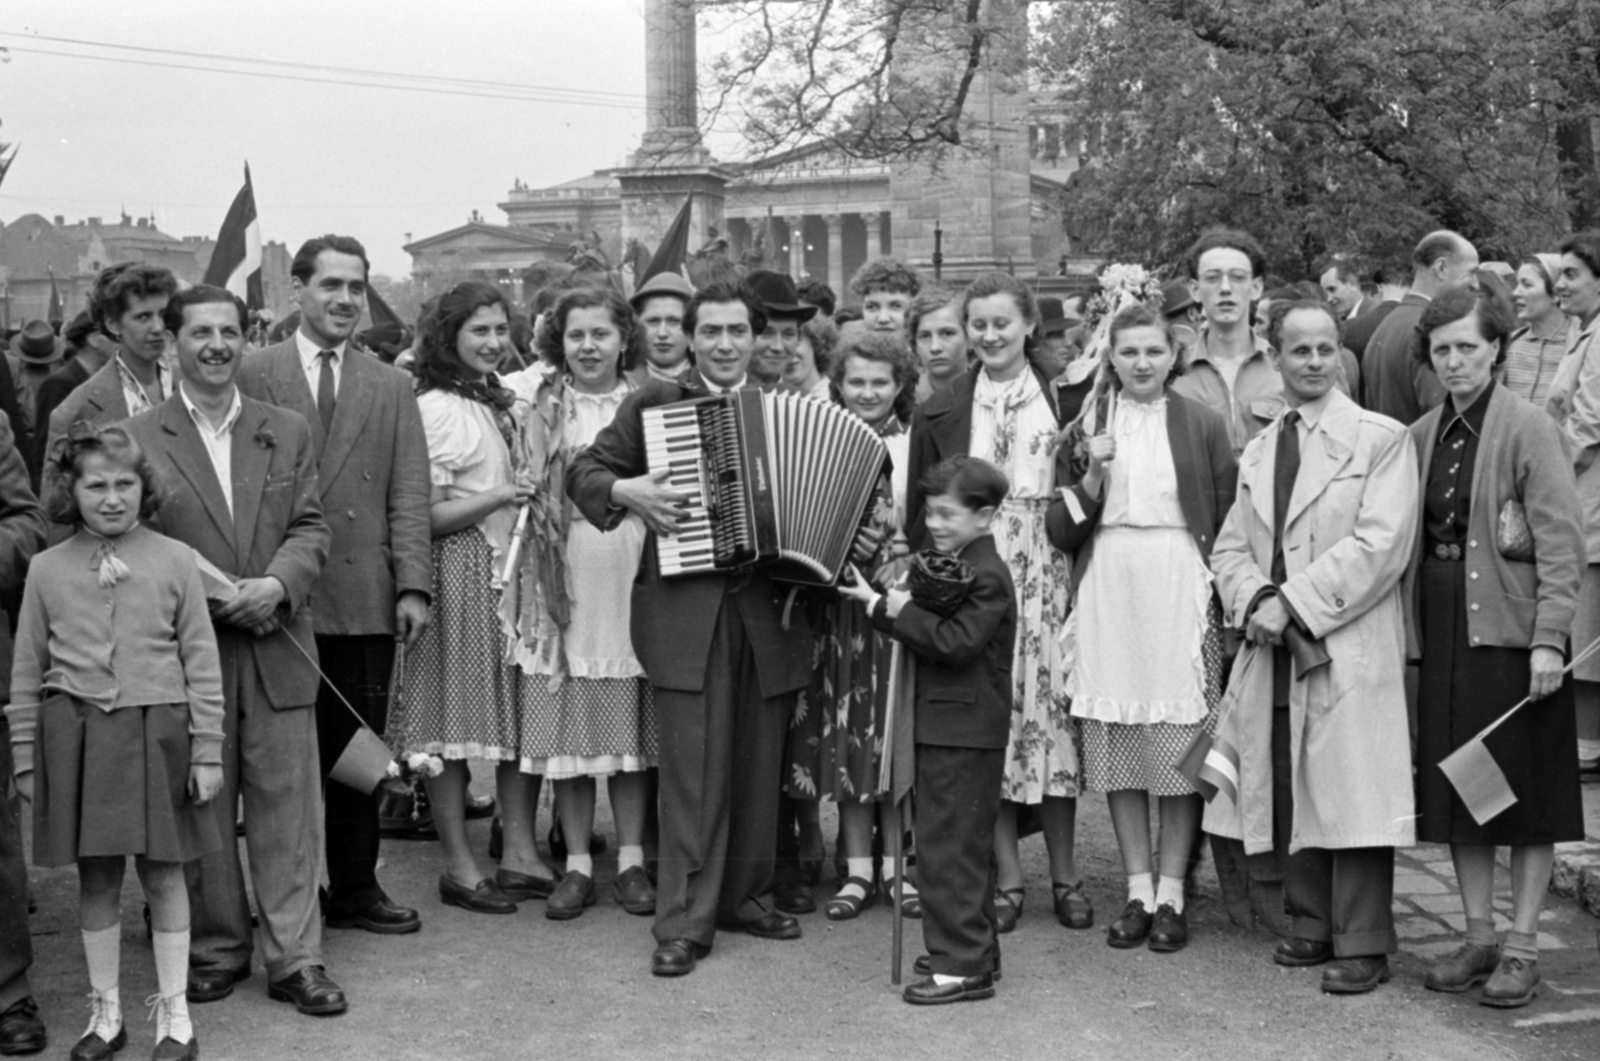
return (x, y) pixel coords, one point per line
(16, 946)
(958, 801)
(721, 754)
(1343, 895)
(359, 667)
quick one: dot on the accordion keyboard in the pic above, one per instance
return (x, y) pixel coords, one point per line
(672, 441)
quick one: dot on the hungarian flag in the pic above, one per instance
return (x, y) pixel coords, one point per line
(673, 253)
(55, 315)
(236, 263)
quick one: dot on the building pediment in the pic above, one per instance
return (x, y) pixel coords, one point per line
(475, 235)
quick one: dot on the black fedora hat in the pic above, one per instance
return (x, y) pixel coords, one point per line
(779, 296)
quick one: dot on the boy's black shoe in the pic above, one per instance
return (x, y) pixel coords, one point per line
(967, 989)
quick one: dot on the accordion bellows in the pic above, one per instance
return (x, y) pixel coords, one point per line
(775, 481)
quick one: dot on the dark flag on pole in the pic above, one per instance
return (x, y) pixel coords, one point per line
(56, 314)
(236, 263)
(673, 253)
(380, 310)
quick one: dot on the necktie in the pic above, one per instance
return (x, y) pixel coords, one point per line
(1286, 471)
(325, 388)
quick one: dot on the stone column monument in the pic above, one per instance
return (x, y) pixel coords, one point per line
(671, 161)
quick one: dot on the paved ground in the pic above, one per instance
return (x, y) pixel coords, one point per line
(471, 986)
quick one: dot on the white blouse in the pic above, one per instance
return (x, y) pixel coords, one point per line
(1142, 490)
(467, 456)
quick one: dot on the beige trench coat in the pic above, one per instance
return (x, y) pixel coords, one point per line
(1351, 525)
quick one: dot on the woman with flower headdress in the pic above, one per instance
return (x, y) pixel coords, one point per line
(1006, 413)
(463, 698)
(591, 714)
(1147, 478)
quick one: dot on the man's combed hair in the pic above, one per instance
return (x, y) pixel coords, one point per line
(200, 295)
(721, 292)
(1227, 239)
(304, 266)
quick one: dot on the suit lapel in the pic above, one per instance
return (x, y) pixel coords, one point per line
(290, 390)
(251, 461)
(1326, 451)
(349, 415)
(189, 456)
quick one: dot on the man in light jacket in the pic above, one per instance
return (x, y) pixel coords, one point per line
(1312, 552)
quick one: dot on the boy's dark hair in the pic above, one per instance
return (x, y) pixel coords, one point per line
(973, 482)
(65, 465)
(1226, 239)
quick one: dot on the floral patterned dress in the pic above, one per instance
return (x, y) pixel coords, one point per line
(1014, 428)
(836, 739)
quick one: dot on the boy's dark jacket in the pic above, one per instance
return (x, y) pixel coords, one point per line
(964, 662)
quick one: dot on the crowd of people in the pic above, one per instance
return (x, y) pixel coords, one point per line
(1238, 509)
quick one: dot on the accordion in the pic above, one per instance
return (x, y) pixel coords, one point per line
(775, 481)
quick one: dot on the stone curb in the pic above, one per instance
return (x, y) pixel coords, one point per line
(1577, 874)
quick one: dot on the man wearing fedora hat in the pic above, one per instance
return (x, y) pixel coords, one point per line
(659, 304)
(780, 340)
(35, 353)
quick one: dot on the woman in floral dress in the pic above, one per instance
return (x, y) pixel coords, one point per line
(1005, 412)
(837, 739)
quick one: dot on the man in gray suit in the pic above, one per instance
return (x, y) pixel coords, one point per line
(372, 478)
(241, 489)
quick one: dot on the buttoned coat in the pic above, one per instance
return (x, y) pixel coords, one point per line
(1348, 537)
(276, 527)
(372, 483)
(673, 619)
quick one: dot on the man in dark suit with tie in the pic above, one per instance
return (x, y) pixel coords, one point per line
(723, 663)
(372, 480)
(241, 489)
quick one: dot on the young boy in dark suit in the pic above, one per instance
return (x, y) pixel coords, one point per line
(963, 728)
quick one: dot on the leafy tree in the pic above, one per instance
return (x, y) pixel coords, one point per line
(1324, 126)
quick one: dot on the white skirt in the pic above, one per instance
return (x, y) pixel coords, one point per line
(1135, 640)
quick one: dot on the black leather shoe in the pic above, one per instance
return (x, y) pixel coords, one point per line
(793, 897)
(1355, 976)
(923, 966)
(767, 926)
(676, 957)
(311, 991)
(967, 989)
(383, 917)
(93, 1048)
(212, 984)
(1170, 930)
(1299, 952)
(21, 1030)
(572, 896)
(520, 887)
(1132, 927)
(478, 808)
(1073, 909)
(635, 892)
(170, 1049)
(486, 898)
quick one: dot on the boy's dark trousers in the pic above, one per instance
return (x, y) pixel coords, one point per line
(958, 801)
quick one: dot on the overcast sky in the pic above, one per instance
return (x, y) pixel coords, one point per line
(98, 136)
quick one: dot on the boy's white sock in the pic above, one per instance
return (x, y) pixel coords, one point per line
(628, 857)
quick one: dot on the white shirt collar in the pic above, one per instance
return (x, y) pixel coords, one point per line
(309, 351)
(234, 410)
(717, 388)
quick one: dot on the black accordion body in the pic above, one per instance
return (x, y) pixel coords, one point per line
(775, 481)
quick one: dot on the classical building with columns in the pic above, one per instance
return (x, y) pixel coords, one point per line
(815, 211)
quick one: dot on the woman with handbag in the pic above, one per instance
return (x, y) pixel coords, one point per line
(1492, 593)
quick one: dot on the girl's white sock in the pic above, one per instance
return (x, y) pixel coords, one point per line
(583, 863)
(102, 947)
(172, 978)
(1142, 888)
(628, 856)
(1170, 890)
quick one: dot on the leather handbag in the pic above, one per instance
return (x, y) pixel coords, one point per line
(1512, 536)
